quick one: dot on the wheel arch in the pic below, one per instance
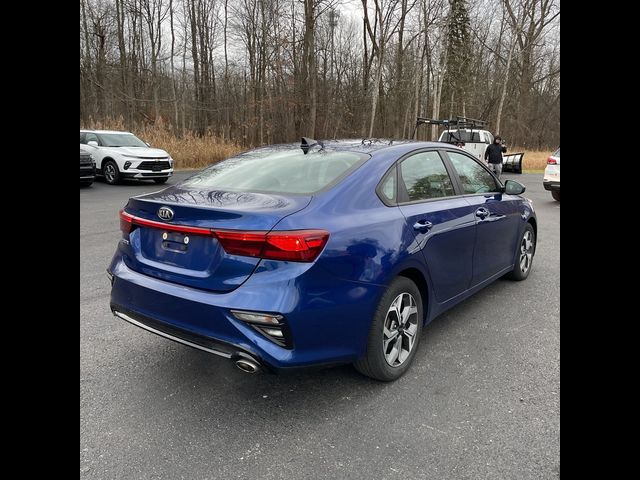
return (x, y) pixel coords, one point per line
(107, 159)
(534, 224)
(419, 278)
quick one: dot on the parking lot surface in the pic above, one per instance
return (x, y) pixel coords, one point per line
(481, 400)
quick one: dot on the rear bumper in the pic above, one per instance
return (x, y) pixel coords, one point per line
(551, 185)
(329, 319)
(185, 337)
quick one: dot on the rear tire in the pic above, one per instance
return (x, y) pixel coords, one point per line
(524, 258)
(556, 195)
(161, 180)
(395, 332)
(111, 172)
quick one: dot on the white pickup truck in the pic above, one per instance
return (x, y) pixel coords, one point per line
(473, 141)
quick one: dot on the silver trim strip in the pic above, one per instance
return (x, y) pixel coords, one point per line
(170, 337)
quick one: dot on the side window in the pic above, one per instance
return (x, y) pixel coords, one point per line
(474, 178)
(387, 188)
(83, 138)
(92, 136)
(425, 177)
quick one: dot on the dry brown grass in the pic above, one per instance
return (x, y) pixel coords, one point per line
(188, 151)
(533, 159)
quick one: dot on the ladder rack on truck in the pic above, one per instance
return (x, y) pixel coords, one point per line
(474, 142)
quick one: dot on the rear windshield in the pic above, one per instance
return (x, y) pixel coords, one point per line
(460, 136)
(289, 171)
(557, 153)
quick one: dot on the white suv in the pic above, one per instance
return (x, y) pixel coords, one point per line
(551, 179)
(121, 155)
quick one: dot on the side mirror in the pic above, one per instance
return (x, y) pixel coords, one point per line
(511, 187)
(92, 143)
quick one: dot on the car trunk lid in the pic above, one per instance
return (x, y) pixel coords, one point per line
(170, 240)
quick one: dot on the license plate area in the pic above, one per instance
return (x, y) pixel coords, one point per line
(175, 241)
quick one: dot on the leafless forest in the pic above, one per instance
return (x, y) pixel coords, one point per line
(252, 72)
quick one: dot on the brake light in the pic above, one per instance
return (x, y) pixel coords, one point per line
(551, 161)
(293, 245)
(126, 222)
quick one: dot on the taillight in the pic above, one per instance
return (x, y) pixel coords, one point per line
(294, 246)
(126, 222)
(551, 161)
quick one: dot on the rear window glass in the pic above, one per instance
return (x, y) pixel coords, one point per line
(289, 171)
(460, 136)
(557, 153)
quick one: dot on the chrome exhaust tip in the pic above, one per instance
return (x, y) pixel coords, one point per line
(247, 365)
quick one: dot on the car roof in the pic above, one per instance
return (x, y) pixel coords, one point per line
(105, 131)
(356, 145)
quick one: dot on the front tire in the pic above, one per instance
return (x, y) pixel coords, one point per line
(524, 259)
(111, 172)
(556, 195)
(395, 332)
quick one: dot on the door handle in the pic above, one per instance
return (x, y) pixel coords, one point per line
(422, 225)
(482, 212)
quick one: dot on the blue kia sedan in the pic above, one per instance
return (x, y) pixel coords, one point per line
(316, 253)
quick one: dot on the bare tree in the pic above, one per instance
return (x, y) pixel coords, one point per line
(264, 71)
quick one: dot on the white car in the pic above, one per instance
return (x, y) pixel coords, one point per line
(473, 141)
(551, 179)
(120, 155)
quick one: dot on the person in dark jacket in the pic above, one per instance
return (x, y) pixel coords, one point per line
(493, 155)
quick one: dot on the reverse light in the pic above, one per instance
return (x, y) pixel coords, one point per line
(254, 317)
(270, 325)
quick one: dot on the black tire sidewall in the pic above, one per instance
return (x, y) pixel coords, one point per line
(377, 364)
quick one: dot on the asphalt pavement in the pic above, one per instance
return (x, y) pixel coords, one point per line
(481, 400)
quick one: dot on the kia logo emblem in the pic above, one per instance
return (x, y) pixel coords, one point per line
(165, 213)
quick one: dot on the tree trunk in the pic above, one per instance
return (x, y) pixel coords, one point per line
(505, 82)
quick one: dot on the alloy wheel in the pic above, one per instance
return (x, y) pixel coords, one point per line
(110, 172)
(526, 251)
(400, 327)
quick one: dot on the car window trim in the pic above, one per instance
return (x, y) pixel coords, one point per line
(396, 165)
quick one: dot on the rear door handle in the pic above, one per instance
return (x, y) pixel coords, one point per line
(422, 225)
(482, 212)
